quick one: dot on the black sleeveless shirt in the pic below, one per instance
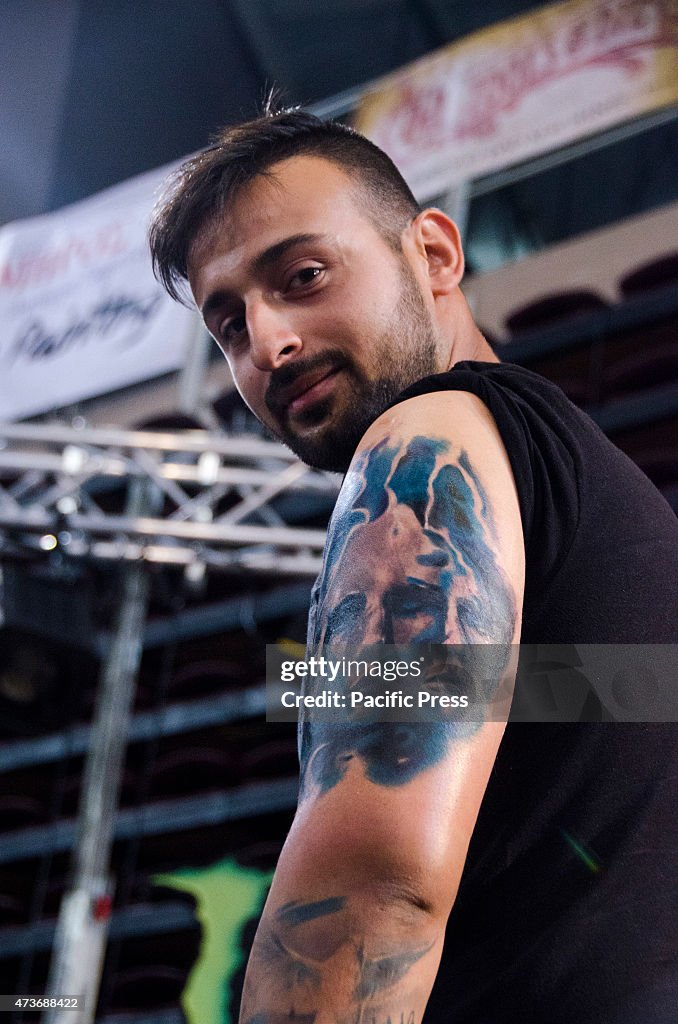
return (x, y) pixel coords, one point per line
(567, 909)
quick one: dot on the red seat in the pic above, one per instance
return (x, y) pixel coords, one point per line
(642, 370)
(153, 986)
(658, 273)
(72, 788)
(19, 811)
(206, 678)
(554, 309)
(275, 759)
(190, 770)
(13, 910)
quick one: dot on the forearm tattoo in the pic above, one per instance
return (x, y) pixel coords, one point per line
(295, 947)
(410, 559)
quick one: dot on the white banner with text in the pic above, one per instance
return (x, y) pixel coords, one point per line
(80, 310)
(523, 87)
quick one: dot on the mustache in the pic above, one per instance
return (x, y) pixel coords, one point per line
(284, 377)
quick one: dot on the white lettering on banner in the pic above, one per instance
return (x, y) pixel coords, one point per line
(81, 312)
(523, 87)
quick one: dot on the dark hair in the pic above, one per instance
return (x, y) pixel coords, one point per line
(204, 186)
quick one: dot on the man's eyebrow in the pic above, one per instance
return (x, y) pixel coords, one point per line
(213, 302)
(278, 249)
(261, 262)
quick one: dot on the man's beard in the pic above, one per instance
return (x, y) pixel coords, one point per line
(404, 352)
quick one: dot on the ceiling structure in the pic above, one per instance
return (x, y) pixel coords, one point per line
(92, 93)
(186, 499)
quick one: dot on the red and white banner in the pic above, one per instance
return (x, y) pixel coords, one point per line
(80, 311)
(524, 87)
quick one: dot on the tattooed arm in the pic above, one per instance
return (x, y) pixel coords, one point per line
(425, 545)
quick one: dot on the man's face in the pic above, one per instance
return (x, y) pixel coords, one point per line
(322, 323)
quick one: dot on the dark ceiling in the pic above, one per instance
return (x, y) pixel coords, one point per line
(94, 91)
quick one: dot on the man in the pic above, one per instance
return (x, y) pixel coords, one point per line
(478, 507)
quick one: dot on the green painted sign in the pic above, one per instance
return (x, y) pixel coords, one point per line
(227, 896)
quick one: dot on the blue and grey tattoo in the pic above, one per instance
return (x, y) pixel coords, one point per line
(410, 559)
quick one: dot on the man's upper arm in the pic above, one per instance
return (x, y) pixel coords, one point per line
(425, 546)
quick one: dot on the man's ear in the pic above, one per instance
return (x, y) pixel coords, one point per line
(437, 239)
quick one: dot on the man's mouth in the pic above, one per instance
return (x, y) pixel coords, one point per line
(306, 391)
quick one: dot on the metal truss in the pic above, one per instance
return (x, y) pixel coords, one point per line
(212, 500)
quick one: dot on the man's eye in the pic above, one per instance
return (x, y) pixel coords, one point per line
(305, 276)
(230, 329)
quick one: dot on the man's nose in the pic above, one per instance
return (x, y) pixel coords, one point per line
(273, 339)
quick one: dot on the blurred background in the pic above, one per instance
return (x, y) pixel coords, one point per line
(152, 540)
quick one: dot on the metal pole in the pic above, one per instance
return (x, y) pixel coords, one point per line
(456, 203)
(192, 375)
(82, 928)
